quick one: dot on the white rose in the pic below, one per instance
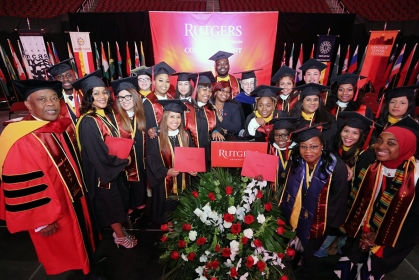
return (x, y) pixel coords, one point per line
(199, 270)
(234, 246)
(192, 235)
(261, 218)
(227, 224)
(232, 210)
(248, 233)
(203, 258)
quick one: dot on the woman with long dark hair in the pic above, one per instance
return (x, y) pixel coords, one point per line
(184, 86)
(104, 174)
(284, 78)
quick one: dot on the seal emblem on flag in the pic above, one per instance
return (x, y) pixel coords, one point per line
(80, 41)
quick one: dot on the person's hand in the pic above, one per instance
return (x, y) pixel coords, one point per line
(129, 160)
(350, 173)
(217, 136)
(49, 230)
(260, 121)
(367, 240)
(259, 178)
(193, 173)
(152, 133)
(172, 172)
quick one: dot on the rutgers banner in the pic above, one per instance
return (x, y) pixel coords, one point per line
(82, 52)
(35, 53)
(187, 40)
(376, 59)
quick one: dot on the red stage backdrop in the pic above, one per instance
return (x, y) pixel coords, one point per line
(186, 40)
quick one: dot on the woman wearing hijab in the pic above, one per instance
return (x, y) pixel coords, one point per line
(104, 174)
(284, 78)
(383, 213)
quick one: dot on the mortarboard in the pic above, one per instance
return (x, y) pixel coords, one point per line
(89, 81)
(183, 76)
(173, 105)
(125, 83)
(248, 74)
(401, 91)
(309, 132)
(265, 91)
(61, 67)
(346, 78)
(284, 123)
(313, 64)
(220, 55)
(356, 120)
(204, 77)
(311, 89)
(140, 71)
(160, 68)
(25, 88)
(282, 72)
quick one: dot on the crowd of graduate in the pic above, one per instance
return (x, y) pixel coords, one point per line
(346, 182)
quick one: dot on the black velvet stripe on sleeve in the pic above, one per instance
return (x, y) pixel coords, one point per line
(28, 205)
(20, 178)
(25, 191)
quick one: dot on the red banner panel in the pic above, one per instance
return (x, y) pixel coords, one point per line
(231, 154)
(187, 40)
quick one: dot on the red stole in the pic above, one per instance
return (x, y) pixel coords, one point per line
(190, 121)
(361, 110)
(157, 107)
(286, 105)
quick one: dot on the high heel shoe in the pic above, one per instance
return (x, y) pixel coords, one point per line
(125, 241)
(126, 234)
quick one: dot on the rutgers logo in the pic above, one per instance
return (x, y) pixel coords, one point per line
(80, 41)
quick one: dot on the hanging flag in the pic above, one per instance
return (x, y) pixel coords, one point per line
(119, 58)
(25, 62)
(105, 63)
(16, 62)
(389, 66)
(8, 64)
(56, 58)
(299, 63)
(72, 63)
(128, 65)
(50, 55)
(136, 56)
(3, 83)
(396, 67)
(83, 55)
(291, 62)
(336, 64)
(362, 59)
(406, 67)
(413, 76)
(284, 55)
(312, 52)
(111, 63)
(346, 61)
(97, 57)
(142, 58)
(2, 75)
(324, 51)
(354, 62)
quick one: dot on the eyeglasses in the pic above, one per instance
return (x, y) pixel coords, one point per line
(144, 80)
(283, 136)
(312, 147)
(225, 91)
(126, 98)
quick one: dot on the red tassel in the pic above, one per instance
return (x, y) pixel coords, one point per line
(379, 107)
(196, 87)
(368, 139)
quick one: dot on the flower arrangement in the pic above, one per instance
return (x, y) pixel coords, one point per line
(229, 227)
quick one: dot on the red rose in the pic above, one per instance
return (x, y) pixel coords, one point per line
(163, 238)
(229, 190)
(260, 194)
(249, 261)
(214, 264)
(175, 255)
(290, 252)
(217, 248)
(284, 277)
(236, 228)
(233, 272)
(280, 255)
(268, 206)
(257, 243)
(226, 252)
(195, 194)
(181, 244)
(244, 240)
(211, 196)
(201, 241)
(280, 222)
(280, 230)
(261, 265)
(164, 227)
(191, 256)
(187, 227)
(248, 219)
(228, 217)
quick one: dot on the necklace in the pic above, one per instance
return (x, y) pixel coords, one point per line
(220, 112)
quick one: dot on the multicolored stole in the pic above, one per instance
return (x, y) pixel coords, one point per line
(308, 202)
(191, 124)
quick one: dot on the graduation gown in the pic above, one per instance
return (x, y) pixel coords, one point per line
(247, 103)
(105, 178)
(41, 185)
(153, 110)
(287, 104)
(262, 133)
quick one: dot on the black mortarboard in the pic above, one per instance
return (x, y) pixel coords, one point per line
(25, 88)
(204, 77)
(248, 74)
(311, 89)
(401, 91)
(89, 81)
(140, 71)
(160, 68)
(173, 105)
(282, 72)
(309, 132)
(356, 120)
(411, 124)
(220, 55)
(265, 91)
(61, 67)
(284, 123)
(183, 76)
(346, 78)
(313, 64)
(125, 83)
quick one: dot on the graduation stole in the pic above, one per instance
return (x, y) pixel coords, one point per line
(286, 105)
(306, 206)
(282, 169)
(170, 183)
(191, 124)
(268, 126)
(157, 107)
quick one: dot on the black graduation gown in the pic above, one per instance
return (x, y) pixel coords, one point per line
(258, 135)
(110, 205)
(138, 190)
